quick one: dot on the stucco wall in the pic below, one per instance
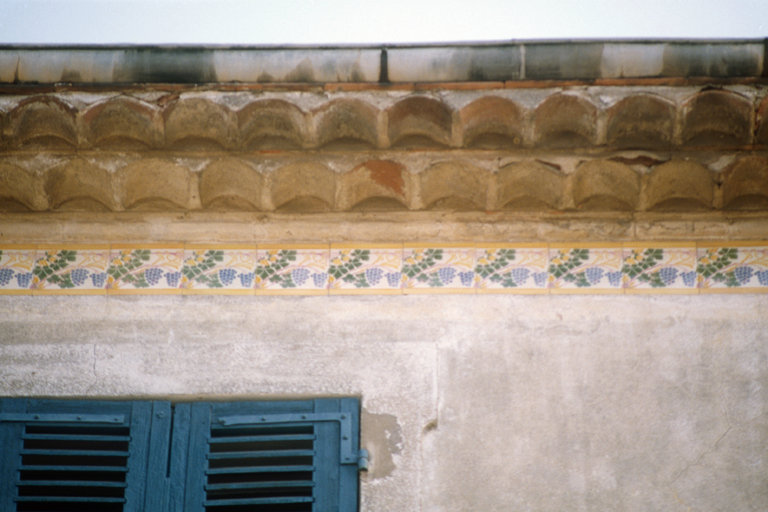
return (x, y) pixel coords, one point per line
(529, 403)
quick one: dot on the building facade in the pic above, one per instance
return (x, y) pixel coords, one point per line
(541, 267)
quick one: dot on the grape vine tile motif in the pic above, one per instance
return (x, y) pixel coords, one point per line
(444, 268)
(369, 268)
(71, 269)
(519, 268)
(659, 267)
(589, 268)
(732, 268)
(144, 268)
(16, 265)
(218, 269)
(292, 269)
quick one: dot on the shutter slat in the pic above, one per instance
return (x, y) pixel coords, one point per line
(74, 468)
(261, 454)
(74, 453)
(258, 501)
(75, 437)
(260, 469)
(68, 499)
(251, 439)
(260, 485)
(68, 483)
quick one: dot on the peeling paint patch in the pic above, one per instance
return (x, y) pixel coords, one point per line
(383, 438)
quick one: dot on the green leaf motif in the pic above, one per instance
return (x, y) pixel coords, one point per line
(714, 261)
(579, 279)
(345, 263)
(268, 268)
(565, 261)
(196, 265)
(639, 261)
(419, 262)
(492, 261)
(122, 266)
(46, 268)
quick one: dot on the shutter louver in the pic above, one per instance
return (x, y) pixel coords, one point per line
(283, 456)
(72, 467)
(259, 468)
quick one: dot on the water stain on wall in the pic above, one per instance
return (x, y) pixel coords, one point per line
(382, 437)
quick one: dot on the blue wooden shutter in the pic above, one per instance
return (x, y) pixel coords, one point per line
(277, 456)
(62, 455)
(59, 455)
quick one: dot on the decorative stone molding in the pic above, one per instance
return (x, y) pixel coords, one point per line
(618, 181)
(213, 119)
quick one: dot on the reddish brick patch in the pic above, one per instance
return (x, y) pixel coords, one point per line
(386, 173)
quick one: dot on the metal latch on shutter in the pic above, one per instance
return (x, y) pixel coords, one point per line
(348, 453)
(62, 418)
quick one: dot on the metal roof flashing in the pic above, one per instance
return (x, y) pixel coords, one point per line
(444, 62)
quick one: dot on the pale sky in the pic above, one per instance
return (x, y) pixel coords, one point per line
(314, 22)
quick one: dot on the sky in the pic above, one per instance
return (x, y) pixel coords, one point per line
(318, 22)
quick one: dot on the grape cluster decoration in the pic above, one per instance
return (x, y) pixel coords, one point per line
(300, 276)
(718, 265)
(5, 276)
(393, 279)
(417, 265)
(99, 279)
(24, 279)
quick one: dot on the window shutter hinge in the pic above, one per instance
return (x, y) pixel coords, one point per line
(362, 460)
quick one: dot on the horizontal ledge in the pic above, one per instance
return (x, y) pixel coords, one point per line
(387, 227)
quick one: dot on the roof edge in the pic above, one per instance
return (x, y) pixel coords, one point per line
(391, 63)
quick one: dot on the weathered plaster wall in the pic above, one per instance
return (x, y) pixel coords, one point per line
(531, 403)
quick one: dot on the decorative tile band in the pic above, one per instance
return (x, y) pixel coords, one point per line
(320, 269)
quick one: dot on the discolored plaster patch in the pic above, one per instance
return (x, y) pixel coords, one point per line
(383, 438)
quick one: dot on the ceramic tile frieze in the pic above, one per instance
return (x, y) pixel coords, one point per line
(16, 265)
(365, 268)
(292, 269)
(218, 269)
(144, 268)
(71, 269)
(515, 268)
(732, 268)
(585, 268)
(375, 268)
(442, 268)
(661, 267)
